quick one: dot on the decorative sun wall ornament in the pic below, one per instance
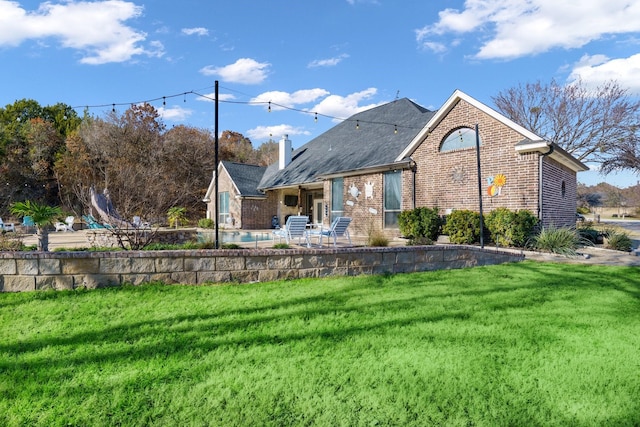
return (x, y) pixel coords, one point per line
(353, 190)
(458, 175)
(495, 184)
(368, 190)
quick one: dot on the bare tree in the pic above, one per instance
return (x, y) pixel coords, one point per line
(593, 124)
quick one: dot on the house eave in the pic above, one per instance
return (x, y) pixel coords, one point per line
(554, 152)
(403, 164)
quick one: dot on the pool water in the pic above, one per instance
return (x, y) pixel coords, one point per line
(236, 236)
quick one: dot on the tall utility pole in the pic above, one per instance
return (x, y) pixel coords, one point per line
(479, 187)
(217, 197)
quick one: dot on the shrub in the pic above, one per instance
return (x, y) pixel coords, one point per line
(11, 242)
(510, 228)
(206, 223)
(619, 241)
(419, 241)
(463, 227)
(281, 246)
(377, 238)
(230, 246)
(420, 222)
(562, 241)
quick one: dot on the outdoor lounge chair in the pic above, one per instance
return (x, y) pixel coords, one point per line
(67, 225)
(296, 227)
(28, 224)
(7, 226)
(337, 229)
(92, 222)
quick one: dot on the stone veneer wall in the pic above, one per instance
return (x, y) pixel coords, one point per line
(28, 271)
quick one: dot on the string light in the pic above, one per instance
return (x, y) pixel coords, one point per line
(284, 107)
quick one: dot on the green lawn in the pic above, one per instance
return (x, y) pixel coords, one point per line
(517, 344)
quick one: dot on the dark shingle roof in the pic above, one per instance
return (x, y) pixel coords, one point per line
(345, 148)
(246, 177)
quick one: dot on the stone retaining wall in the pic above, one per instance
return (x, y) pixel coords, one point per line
(28, 271)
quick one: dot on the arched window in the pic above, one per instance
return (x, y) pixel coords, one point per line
(460, 138)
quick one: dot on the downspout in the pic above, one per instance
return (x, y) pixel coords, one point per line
(540, 183)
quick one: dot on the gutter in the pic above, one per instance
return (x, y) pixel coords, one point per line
(540, 182)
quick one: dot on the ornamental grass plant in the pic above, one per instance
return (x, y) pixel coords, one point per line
(516, 344)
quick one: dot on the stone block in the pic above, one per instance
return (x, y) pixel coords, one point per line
(212, 277)
(27, 266)
(49, 266)
(126, 265)
(279, 262)
(168, 265)
(8, 266)
(200, 264)
(231, 263)
(135, 279)
(94, 281)
(57, 282)
(80, 265)
(305, 273)
(19, 283)
(256, 262)
(407, 257)
(244, 276)
(268, 275)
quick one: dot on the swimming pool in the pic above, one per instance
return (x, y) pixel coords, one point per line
(236, 236)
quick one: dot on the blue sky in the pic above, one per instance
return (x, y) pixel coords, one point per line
(335, 57)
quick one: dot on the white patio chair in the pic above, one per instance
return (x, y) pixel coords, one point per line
(296, 227)
(67, 225)
(7, 226)
(337, 229)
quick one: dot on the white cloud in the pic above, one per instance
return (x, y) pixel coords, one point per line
(275, 132)
(175, 113)
(598, 69)
(331, 62)
(95, 28)
(519, 28)
(290, 100)
(343, 107)
(244, 71)
(198, 31)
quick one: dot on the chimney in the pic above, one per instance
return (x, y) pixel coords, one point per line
(284, 152)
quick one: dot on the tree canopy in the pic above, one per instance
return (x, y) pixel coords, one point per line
(598, 125)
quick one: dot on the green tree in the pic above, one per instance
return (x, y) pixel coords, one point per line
(176, 215)
(42, 216)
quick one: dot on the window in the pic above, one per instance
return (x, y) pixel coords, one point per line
(459, 139)
(392, 198)
(563, 189)
(337, 188)
(223, 207)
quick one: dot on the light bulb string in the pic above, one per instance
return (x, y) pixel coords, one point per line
(269, 104)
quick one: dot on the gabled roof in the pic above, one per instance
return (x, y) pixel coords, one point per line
(383, 132)
(532, 142)
(244, 177)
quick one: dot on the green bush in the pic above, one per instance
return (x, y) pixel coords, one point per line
(230, 246)
(420, 222)
(463, 227)
(564, 241)
(619, 241)
(509, 228)
(281, 246)
(419, 241)
(206, 223)
(377, 238)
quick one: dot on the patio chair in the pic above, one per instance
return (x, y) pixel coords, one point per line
(337, 229)
(67, 225)
(92, 222)
(28, 224)
(295, 227)
(7, 226)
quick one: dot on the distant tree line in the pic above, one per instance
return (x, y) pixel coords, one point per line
(54, 156)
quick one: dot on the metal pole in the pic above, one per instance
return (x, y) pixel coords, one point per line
(479, 187)
(217, 196)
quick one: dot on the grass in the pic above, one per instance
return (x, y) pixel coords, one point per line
(517, 344)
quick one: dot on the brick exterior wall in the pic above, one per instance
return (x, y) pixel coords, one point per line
(558, 206)
(449, 180)
(248, 214)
